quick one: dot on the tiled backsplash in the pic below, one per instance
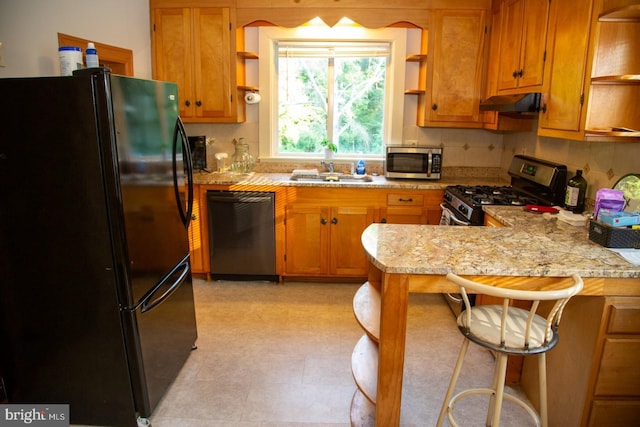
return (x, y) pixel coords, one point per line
(602, 163)
(467, 152)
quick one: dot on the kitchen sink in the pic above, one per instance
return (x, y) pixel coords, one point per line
(331, 177)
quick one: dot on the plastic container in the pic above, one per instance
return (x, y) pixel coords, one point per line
(614, 237)
(576, 191)
(361, 168)
(92, 56)
(70, 59)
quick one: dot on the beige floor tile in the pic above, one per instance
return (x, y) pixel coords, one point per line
(280, 356)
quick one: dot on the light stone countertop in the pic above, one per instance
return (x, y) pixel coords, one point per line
(282, 179)
(535, 245)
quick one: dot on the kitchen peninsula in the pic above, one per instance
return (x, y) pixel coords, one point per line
(535, 253)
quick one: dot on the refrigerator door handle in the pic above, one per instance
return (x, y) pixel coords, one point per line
(150, 300)
(179, 129)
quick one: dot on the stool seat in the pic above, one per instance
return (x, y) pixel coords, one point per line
(506, 330)
(486, 320)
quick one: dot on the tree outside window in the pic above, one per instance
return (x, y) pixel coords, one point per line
(331, 93)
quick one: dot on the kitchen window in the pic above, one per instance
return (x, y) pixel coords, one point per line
(337, 85)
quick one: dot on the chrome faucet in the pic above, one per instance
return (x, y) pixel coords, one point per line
(328, 166)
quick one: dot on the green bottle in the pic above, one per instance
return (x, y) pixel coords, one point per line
(576, 191)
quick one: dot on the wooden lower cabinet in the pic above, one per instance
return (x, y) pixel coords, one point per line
(320, 240)
(598, 351)
(195, 235)
(323, 226)
(318, 229)
(490, 221)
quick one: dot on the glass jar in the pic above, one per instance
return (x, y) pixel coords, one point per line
(241, 161)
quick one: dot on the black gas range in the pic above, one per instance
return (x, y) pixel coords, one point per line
(533, 182)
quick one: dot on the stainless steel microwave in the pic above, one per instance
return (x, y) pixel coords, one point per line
(413, 162)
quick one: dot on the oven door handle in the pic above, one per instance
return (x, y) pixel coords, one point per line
(452, 216)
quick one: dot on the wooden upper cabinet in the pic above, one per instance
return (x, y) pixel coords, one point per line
(172, 53)
(454, 69)
(566, 67)
(193, 47)
(523, 36)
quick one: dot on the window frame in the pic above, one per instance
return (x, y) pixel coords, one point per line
(267, 77)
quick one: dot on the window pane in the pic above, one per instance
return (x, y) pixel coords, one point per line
(324, 97)
(302, 99)
(359, 101)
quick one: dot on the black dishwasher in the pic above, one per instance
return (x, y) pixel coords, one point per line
(242, 235)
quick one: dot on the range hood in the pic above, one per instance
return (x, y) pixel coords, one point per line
(524, 103)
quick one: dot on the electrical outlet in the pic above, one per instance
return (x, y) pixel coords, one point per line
(1, 55)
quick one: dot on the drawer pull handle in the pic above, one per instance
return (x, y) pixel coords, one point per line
(405, 200)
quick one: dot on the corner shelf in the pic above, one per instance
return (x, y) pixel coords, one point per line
(248, 55)
(363, 412)
(364, 367)
(366, 307)
(364, 359)
(615, 82)
(421, 58)
(611, 133)
(417, 57)
(629, 13)
(626, 79)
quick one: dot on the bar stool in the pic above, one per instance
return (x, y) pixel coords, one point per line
(507, 330)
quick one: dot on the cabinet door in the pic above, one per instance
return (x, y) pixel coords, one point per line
(510, 42)
(192, 47)
(195, 237)
(347, 256)
(455, 64)
(306, 240)
(522, 44)
(212, 62)
(172, 53)
(534, 40)
(565, 69)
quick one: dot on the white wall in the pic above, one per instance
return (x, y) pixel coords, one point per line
(29, 32)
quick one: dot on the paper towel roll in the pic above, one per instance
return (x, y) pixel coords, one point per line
(252, 98)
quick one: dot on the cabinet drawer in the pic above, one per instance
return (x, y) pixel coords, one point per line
(614, 413)
(405, 199)
(624, 319)
(619, 373)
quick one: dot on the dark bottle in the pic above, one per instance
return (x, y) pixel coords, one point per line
(576, 191)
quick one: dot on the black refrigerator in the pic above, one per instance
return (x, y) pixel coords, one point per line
(96, 296)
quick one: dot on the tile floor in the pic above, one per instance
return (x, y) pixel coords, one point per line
(279, 355)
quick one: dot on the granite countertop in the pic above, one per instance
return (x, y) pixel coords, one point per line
(533, 245)
(283, 179)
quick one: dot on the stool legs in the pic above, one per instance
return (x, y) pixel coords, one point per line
(542, 385)
(496, 393)
(452, 383)
(495, 401)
